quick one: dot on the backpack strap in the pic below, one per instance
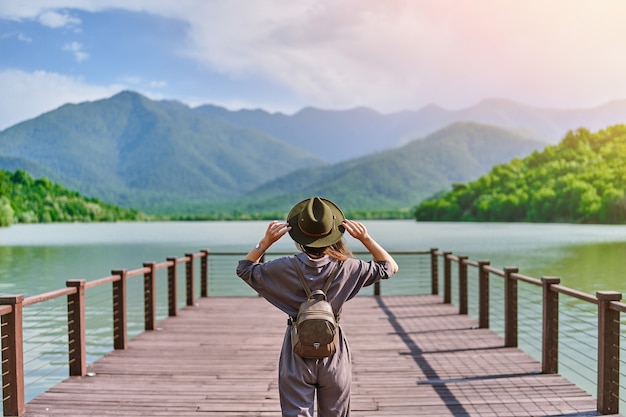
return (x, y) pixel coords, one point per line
(331, 277)
(329, 280)
(301, 277)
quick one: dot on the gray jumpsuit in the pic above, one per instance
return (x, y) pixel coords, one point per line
(299, 378)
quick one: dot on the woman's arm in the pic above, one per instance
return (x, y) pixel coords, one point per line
(275, 230)
(358, 231)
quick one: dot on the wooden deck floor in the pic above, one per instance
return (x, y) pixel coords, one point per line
(413, 356)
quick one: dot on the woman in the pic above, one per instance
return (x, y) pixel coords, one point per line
(317, 226)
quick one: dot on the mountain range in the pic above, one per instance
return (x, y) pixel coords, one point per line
(340, 135)
(163, 157)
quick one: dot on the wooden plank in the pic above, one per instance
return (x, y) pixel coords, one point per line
(412, 356)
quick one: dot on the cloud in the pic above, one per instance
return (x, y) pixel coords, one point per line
(77, 49)
(18, 35)
(405, 54)
(388, 55)
(393, 54)
(333, 54)
(28, 94)
(56, 20)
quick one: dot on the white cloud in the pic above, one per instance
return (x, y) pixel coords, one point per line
(19, 35)
(405, 54)
(329, 53)
(77, 49)
(394, 54)
(56, 20)
(332, 54)
(51, 9)
(24, 38)
(29, 94)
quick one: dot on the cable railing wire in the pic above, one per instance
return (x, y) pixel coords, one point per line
(414, 279)
(622, 373)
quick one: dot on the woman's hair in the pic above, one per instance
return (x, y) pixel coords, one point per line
(339, 250)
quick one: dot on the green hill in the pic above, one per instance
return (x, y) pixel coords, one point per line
(580, 180)
(399, 178)
(164, 158)
(27, 200)
(361, 131)
(156, 156)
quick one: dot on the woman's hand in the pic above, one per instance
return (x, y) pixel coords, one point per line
(275, 230)
(356, 229)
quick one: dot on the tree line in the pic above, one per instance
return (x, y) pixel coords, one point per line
(580, 180)
(24, 199)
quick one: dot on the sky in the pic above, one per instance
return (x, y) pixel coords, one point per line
(284, 55)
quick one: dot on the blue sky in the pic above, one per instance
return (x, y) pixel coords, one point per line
(283, 55)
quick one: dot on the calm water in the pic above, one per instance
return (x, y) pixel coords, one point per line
(39, 258)
(36, 258)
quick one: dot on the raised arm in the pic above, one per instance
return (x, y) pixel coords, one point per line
(275, 230)
(358, 231)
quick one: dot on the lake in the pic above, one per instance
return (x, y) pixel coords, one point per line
(37, 258)
(40, 258)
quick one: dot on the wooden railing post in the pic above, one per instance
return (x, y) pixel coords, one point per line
(447, 278)
(550, 343)
(189, 276)
(149, 296)
(483, 295)
(434, 272)
(462, 285)
(608, 352)
(76, 328)
(13, 357)
(172, 287)
(510, 307)
(120, 334)
(204, 273)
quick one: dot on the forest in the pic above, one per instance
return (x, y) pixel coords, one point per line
(27, 200)
(582, 179)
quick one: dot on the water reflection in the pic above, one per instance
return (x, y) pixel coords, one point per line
(592, 267)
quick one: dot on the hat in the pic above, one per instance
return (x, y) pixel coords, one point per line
(316, 222)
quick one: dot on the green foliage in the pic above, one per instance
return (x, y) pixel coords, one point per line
(165, 158)
(580, 180)
(27, 200)
(398, 178)
(7, 214)
(240, 215)
(157, 156)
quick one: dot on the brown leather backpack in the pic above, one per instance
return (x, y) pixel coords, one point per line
(314, 332)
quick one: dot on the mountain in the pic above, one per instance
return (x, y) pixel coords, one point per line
(163, 157)
(399, 177)
(342, 135)
(151, 155)
(332, 135)
(580, 180)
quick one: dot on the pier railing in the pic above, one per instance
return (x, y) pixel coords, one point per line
(423, 271)
(609, 308)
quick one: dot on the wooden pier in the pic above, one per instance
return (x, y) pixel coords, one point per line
(412, 356)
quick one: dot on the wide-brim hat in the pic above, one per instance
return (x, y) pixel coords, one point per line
(316, 222)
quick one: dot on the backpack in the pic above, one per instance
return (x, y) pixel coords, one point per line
(314, 332)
